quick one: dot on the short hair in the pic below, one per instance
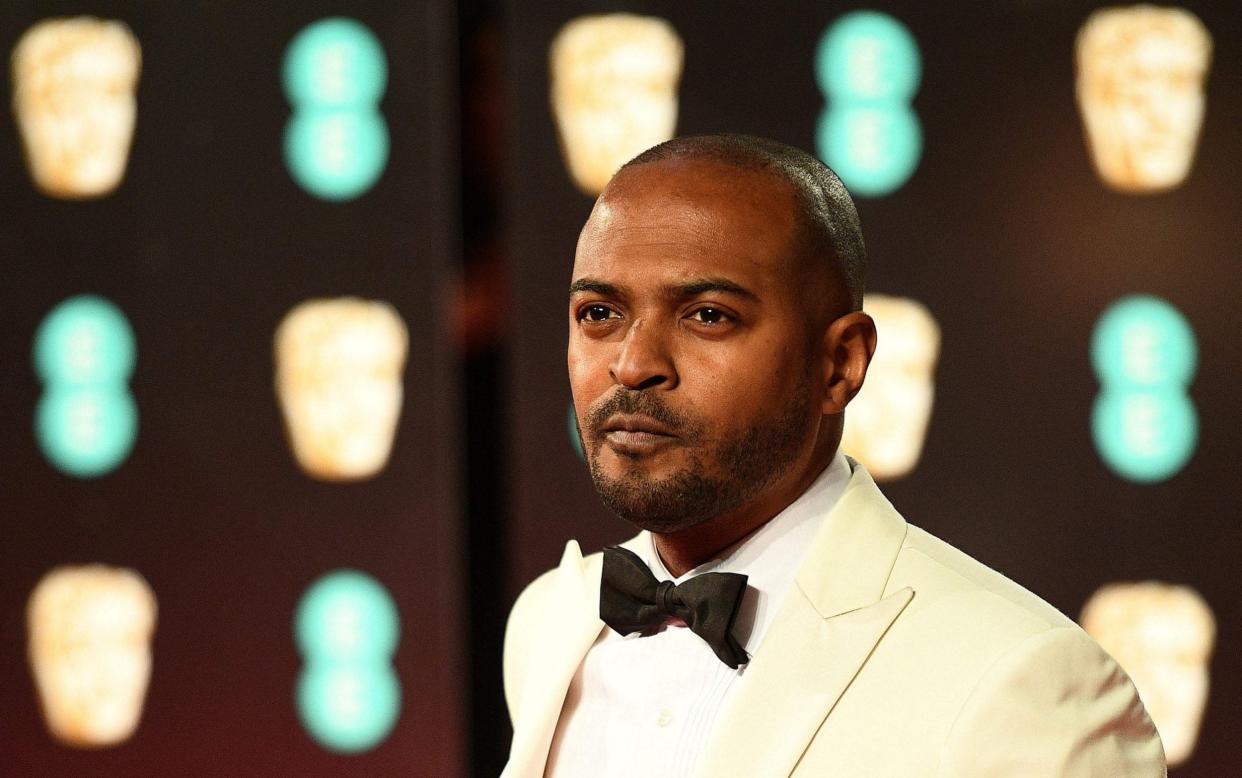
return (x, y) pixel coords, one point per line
(827, 219)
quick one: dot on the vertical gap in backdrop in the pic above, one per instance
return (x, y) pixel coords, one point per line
(483, 301)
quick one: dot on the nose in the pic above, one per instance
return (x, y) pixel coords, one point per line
(643, 360)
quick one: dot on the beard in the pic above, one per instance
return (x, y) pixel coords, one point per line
(744, 464)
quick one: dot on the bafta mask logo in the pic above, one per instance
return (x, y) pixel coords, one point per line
(338, 378)
(886, 422)
(74, 84)
(90, 631)
(1141, 72)
(1162, 635)
(614, 91)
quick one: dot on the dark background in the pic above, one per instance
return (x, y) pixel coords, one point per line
(1004, 232)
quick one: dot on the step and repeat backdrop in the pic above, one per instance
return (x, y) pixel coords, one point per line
(228, 479)
(1049, 193)
(233, 539)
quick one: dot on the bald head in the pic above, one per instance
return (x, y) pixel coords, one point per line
(826, 228)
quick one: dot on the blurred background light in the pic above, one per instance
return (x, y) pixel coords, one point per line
(85, 340)
(1141, 72)
(1142, 340)
(74, 83)
(89, 645)
(337, 63)
(1144, 425)
(886, 422)
(336, 142)
(339, 365)
(347, 616)
(349, 708)
(868, 57)
(614, 91)
(1163, 636)
(336, 154)
(347, 629)
(86, 421)
(868, 66)
(1144, 435)
(86, 431)
(575, 438)
(873, 149)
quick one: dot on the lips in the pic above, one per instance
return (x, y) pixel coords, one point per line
(635, 424)
(636, 435)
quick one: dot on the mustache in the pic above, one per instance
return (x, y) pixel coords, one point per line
(639, 403)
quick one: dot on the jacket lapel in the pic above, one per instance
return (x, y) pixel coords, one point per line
(825, 630)
(570, 625)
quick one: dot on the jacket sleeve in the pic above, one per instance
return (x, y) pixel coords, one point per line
(1053, 705)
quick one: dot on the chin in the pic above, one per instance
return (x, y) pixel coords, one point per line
(659, 523)
(622, 464)
(664, 500)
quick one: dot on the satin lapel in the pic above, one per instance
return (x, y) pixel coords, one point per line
(571, 624)
(790, 687)
(820, 639)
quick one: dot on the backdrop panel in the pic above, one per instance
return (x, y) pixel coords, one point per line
(205, 246)
(1005, 233)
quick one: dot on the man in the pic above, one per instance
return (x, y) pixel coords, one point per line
(715, 339)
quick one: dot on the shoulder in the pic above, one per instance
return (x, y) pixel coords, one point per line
(1015, 664)
(540, 595)
(1076, 711)
(964, 617)
(958, 587)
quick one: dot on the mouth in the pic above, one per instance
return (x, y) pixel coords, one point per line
(631, 434)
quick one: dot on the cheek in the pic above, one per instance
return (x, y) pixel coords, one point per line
(588, 376)
(764, 363)
(738, 390)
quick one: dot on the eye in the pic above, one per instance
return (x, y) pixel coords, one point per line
(709, 315)
(596, 312)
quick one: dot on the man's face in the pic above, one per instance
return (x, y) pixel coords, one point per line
(690, 343)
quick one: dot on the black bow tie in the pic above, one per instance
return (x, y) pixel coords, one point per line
(632, 600)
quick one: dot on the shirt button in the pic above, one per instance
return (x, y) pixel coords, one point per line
(665, 718)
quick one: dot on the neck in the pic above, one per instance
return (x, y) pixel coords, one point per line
(686, 549)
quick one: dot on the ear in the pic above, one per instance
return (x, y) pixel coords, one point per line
(847, 347)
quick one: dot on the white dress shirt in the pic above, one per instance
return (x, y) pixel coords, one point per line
(644, 705)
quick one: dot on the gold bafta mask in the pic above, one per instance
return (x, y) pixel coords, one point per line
(338, 378)
(1141, 71)
(614, 91)
(89, 646)
(1162, 636)
(886, 423)
(74, 84)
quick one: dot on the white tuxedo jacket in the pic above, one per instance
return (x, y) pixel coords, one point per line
(894, 654)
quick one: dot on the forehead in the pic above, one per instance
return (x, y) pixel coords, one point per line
(691, 218)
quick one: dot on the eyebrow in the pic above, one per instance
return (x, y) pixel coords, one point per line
(688, 289)
(591, 285)
(704, 285)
